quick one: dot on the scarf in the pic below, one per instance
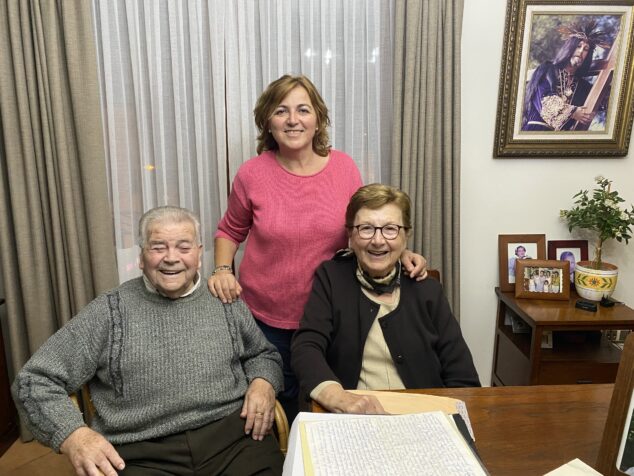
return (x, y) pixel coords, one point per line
(383, 285)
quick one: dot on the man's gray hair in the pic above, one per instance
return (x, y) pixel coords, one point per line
(167, 214)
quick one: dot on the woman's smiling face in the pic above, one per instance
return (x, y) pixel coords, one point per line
(377, 256)
(293, 123)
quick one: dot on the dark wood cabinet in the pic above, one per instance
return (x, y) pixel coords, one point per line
(542, 342)
(8, 414)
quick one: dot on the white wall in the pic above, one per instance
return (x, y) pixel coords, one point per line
(507, 196)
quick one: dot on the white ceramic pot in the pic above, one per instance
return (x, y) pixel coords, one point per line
(594, 284)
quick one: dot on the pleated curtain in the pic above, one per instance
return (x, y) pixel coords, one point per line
(56, 232)
(426, 130)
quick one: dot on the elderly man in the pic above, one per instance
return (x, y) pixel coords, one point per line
(181, 383)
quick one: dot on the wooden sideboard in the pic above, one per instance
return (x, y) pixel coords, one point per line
(580, 352)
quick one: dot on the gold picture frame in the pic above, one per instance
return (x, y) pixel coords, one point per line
(542, 279)
(552, 100)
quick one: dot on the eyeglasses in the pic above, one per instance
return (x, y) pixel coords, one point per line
(389, 232)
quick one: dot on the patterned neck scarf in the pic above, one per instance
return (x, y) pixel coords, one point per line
(383, 285)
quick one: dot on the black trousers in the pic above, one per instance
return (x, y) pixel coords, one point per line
(218, 448)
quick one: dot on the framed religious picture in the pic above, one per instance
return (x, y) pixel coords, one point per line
(569, 250)
(566, 83)
(616, 453)
(542, 279)
(512, 248)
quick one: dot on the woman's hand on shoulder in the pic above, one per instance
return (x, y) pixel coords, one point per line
(415, 265)
(224, 285)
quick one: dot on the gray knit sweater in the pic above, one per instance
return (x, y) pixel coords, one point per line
(155, 366)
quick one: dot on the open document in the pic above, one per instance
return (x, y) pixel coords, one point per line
(400, 403)
(416, 444)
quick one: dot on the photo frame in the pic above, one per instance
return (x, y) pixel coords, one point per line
(618, 426)
(570, 250)
(542, 279)
(534, 248)
(554, 100)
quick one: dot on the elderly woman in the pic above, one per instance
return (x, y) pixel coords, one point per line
(367, 325)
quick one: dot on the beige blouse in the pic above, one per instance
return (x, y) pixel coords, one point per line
(378, 371)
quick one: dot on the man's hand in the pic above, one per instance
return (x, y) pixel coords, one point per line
(583, 116)
(415, 265)
(225, 286)
(259, 408)
(91, 454)
(335, 399)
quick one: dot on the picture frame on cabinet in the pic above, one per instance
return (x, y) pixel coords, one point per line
(570, 250)
(513, 248)
(542, 279)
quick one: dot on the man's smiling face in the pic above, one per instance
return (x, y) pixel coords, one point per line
(171, 258)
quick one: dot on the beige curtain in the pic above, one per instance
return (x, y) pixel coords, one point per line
(426, 132)
(56, 236)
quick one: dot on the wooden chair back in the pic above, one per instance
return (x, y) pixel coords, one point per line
(433, 273)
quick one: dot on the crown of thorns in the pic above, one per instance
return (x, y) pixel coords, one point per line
(589, 33)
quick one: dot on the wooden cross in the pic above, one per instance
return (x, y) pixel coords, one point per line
(601, 86)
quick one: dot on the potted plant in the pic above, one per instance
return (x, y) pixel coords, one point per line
(601, 213)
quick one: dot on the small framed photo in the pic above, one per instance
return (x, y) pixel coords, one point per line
(616, 453)
(547, 340)
(512, 248)
(542, 279)
(569, 250)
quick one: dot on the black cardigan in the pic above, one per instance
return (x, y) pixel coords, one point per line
(422, 334)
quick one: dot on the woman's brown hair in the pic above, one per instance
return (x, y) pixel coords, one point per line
(375, 196)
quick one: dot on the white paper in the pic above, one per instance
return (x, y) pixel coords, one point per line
(418, 444)
(576, 467)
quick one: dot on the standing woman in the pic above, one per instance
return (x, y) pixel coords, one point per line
(290, 201)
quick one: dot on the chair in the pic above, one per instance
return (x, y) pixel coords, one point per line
(434, 273)
(83, 401)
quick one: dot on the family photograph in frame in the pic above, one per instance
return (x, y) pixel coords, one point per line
(566, 80)
(569, 250)
(543, 279)
(515, 248)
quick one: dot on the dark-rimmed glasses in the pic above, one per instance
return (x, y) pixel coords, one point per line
(389, 232)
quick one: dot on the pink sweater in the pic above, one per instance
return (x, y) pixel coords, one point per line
(293, 224)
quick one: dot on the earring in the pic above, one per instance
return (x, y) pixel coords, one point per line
(269, 131)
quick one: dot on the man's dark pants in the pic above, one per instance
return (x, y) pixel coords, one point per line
(218, 448)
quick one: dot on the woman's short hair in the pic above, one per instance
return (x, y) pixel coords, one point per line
(273, 96)
(376, 195)
(166, 214)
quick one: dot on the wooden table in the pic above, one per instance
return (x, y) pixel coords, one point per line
(531, 430)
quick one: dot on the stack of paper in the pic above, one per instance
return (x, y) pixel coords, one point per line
(417, 444)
